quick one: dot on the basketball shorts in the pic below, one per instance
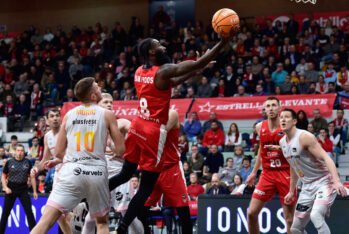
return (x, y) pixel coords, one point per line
(78, 181)
(272, 181)
(171, 184)
(145, 143)
(317, 193)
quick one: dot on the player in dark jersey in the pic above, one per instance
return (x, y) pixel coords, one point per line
(275, 176)
(147, 134)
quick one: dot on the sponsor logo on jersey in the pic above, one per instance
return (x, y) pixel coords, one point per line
(294, 150)
(85, 158)
(259, 192)
(144, 79)
(86, 112)
(85, 121)
(79, 171)
(302, 208)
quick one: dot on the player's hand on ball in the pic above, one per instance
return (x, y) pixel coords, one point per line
(289, 198)
(339, 187)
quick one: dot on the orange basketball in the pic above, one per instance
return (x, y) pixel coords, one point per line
(224, 21)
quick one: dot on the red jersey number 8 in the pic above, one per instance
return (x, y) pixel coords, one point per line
(144, 107)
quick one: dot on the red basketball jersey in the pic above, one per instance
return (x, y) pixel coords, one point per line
(271, 159)
(171, 154)
(154, 104)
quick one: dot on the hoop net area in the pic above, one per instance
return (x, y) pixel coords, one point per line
(305, 1)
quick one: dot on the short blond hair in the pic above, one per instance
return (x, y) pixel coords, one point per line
(107, 95)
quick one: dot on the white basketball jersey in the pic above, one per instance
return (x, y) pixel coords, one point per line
(87, 135)
(307, 167)
(51, 141)
(114, 164)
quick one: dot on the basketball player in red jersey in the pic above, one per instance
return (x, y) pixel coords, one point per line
(275, 176)
(147, 134)
(171, 182)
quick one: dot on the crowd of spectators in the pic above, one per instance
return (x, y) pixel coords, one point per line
(38, 70)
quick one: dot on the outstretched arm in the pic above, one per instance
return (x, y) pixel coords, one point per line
(115, 134)
(175, 70)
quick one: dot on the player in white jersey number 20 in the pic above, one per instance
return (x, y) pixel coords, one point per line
(311, 164)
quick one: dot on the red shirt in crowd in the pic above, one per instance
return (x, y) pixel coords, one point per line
(327, 145)
(194, 190)
(213, 138)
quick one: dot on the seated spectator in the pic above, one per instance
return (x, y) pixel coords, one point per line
(238, 156)
(330, 75)
(204, 89)
(213, 162)
(238, 186)
(226, 173)
(342, 76)
(196, 160)
(7, 110)
(21, 86)
(302, 86)
(11, 148)
(187, 171)
(302, 120)
(326, 143)
(241, 92)
(341, 124)
(35, 151)
(21, 112)
(41, 184)
(192, 127)
(335, 136)
(36, 101)
(310, 128)
(259, 91)
(195, 188)
(183, 147)
(344, 94)
(214, 136)
(286, 86)
(318, 122)
(311, 75)
(207, 124)
(279, 75)
(69, 97)
(302, 67)
(246, 169)
(254, 139)
(217, 188)
(232, 138)
(321, 85)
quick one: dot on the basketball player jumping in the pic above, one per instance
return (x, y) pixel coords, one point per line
(311, 164)
(83, 137)
(147, 134)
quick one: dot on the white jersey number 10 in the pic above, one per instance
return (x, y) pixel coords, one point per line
(89, 141)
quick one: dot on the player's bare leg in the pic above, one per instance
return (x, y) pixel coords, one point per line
(49, 217)
(288, 214)
(64, 224)
(102, 225)
(252, 215)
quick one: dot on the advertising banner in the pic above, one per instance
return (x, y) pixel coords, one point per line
(17, 221)
(228, 214)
